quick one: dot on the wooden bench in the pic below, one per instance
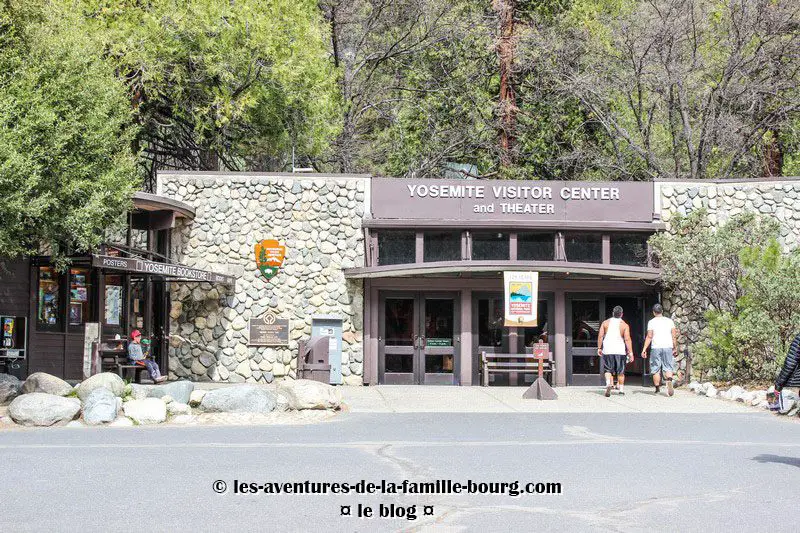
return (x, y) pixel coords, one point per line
(514, 363)
(124, 368)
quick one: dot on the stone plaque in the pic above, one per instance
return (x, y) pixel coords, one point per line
(269, 331)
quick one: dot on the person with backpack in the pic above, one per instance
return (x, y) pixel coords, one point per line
(615, 349)
(790, 373)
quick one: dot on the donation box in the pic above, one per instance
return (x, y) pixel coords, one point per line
(331, 327)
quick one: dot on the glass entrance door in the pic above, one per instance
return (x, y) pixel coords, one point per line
(584, 327)
(420, 333)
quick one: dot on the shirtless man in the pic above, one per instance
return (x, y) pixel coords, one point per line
(613, 344)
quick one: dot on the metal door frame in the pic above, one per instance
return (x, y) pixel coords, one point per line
(584, 379)
(419, 348)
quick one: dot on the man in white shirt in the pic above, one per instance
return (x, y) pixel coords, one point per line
(662, 338)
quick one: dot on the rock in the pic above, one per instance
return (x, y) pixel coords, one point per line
(196, 397)
(182, 419)
(147, 411)
(735, 392)
(9, 378)
(167, 399)
(100, 407)
(122, 421)
(42, 382)
(8, 391)
(40, 409)
(789, 401)
(106, 380)
(708, 385)
(239, 399)
(177, 408)
(139, 392)
(281, 402)
(180, 391)
(746, 397)
(694, 386)
(309, 394)
(711, 392)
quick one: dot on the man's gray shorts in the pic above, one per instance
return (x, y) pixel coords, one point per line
(661, 359)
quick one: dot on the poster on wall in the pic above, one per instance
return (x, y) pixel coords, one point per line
(521, 298)
(113, 304)
(91, 335)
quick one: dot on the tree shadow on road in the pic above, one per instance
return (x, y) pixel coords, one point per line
(770, 458)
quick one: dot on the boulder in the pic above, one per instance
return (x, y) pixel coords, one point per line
(40, 409)
(139, 392)
(42, 382)
(239, 399)
(711, 391)
(107, 380)
(746, 397)
(9, 378)
(122, 421)
(177, 408)
(735, 392)
(281, 402)
(695, 386)
(147, 411)
(196, 397)
(179, 390)
(708, 385)
(100, 407)
(8, 391)
(309, 394)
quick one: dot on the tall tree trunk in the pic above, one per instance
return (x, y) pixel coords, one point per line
(507, 108)
(773, 156)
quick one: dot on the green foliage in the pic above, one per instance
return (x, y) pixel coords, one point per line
(66, 166)
(740, 291)
(751, 341)
(219, 84)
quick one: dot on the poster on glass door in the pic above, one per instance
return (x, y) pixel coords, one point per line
(521, 298)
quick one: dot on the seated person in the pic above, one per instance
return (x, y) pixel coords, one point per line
(138, 357)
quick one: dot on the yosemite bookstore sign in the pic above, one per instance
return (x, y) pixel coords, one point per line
(130, 264)
(546, 200)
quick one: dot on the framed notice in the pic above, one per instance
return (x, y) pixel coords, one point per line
(113, 304)
(521, 298)
(268, 331)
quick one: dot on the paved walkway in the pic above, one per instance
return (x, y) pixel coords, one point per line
(415, 399)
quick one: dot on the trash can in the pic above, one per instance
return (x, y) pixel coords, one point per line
(330, 327)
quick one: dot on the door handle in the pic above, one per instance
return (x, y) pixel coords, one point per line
(424, 342)
(416, 342)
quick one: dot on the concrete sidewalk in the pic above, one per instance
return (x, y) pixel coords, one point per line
(417, 399)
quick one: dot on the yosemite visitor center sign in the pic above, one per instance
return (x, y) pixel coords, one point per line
(507, 199)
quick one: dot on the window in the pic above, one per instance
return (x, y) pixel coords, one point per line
(539, 333)
(80, 297)
(396, 247)
(442, 246)
(584, 247)
(112, 314)
(491, 332)
(536, 246)
(48, 309)
(629, 249)
(490, 246)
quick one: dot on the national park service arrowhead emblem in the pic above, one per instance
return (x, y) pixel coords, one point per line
(269, 257)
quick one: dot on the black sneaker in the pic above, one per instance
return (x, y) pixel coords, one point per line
(622, 393)
(608, 391)
(658, 389)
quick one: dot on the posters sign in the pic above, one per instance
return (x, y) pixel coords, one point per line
(521, 295)
(269, 257)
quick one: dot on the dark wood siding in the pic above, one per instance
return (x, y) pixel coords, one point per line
(15, 290)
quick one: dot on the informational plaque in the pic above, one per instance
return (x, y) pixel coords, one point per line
(269, 331)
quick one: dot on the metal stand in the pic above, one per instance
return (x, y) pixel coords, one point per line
(540, 389)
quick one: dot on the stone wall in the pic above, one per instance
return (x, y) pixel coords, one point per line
(777, 199)
(318, 220)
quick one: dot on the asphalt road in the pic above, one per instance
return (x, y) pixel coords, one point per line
(618, 472)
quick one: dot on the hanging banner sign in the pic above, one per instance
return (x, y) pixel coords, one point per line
(269, 257)
(521, 298)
